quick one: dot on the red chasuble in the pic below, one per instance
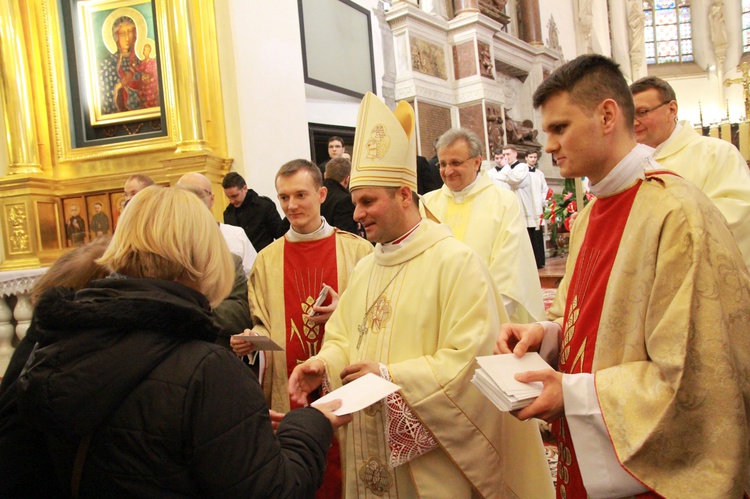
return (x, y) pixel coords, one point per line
(583, 309)
(307, 265)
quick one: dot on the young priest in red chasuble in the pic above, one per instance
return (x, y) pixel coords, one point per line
(286, 279)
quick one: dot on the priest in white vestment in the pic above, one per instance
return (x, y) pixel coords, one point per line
(715, 166)
(488, 219)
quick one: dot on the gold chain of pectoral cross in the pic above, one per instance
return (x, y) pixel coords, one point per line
(362, 328)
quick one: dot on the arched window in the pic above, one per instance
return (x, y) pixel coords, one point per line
(746, 25)
(667, 31)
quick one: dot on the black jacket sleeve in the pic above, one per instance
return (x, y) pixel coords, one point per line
(233, 314)
(234, 450)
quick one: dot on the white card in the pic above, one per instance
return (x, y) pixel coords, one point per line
(503, 368)
(359, 394)
(260, 342)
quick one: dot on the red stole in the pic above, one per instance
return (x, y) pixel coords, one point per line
(583, 309)
(307, 265)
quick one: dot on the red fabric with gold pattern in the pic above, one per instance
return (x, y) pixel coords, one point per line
(583, 308)
(307, 265)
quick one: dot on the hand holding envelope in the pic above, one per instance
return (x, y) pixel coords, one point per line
(359, 394)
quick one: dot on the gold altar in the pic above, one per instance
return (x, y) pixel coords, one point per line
(62, 164)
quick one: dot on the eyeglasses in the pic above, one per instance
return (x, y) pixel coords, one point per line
(642, 113)
(455, 163)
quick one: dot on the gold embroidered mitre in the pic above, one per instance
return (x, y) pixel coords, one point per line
(385, 146)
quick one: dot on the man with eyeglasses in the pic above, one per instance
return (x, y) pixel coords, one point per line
(488, 219)
(715, 166)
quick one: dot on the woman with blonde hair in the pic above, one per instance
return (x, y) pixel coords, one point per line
(132, 395)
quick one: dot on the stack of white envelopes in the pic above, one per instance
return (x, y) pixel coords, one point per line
(495, 379)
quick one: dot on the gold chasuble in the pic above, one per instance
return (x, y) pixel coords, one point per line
(656, 301)
(489, 221)
(718, 169)
(424, 311)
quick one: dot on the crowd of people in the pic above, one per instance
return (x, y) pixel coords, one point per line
(140, 376)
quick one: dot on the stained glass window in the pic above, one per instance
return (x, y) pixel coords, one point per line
(668, 33)
(746, 25)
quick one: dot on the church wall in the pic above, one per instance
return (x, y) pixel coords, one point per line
(263, 85)
(433, 121)
(600, 35)
(471, 117)
(562, 13)
(267, 103)
(691, 91)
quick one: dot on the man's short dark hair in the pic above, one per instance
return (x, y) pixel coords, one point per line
(338, 169)
(511, 147)
(666, 92)
(589, 79)
(98, 204)
(336, 137)
(233, 179)
(296, 165)
(144, 180)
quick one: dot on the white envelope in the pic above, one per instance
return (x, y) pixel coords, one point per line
(359, 394)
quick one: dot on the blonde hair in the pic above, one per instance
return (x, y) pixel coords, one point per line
(169, 234)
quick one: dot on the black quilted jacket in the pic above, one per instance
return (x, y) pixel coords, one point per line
(170, 414)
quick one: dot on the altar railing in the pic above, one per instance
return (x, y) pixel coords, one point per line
(15, 310)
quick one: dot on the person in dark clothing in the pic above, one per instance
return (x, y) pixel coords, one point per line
(338, 209)
(336, 149)
(130, 393)
(25, 474)
(428, 177)
(257, 215)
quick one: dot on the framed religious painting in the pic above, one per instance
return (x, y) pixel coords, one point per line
(120, 56)
(117, 202)
(116, 83)
(100, 215)
(75, 215)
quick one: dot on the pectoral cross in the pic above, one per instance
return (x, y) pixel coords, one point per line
(362, 328)
(745, 82)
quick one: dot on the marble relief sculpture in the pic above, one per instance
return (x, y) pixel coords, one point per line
(718, 27)
(553, 35)
(586, 21)
(636, 20)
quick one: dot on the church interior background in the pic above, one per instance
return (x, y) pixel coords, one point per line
(246, 86)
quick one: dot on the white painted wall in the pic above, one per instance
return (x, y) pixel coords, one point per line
(263, 88)
(266, 102)
(562, 12)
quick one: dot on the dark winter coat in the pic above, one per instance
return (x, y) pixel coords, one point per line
(258, 217)
(131, 362)
(338, 209)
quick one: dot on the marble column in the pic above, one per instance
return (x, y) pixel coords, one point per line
(461, 6)
(530, 23)
(15, 92)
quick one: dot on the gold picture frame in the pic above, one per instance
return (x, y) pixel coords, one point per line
(120, 57)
